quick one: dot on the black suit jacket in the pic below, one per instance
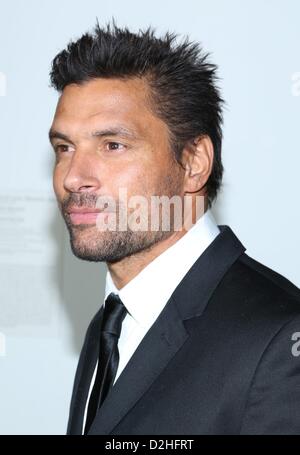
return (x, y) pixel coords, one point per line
(221, 358)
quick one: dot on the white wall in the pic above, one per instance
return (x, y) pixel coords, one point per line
(47, 296)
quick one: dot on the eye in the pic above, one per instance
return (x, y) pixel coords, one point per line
(62, 148)
(114, 146)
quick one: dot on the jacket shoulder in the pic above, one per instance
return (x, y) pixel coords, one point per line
(260, 292)
(278, 280)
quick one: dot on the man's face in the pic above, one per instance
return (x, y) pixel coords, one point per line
(106, 138)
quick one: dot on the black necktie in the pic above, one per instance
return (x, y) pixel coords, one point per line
(108, 359)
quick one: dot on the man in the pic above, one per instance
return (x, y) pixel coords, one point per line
(194, 337)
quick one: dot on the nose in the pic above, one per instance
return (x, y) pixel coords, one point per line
(82, 173)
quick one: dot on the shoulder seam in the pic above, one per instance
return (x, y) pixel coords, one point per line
(270, 278)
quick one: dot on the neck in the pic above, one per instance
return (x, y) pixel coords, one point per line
(127, 268)
(123, 271)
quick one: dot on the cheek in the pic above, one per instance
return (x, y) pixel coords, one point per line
(145, 177)
(136, 179)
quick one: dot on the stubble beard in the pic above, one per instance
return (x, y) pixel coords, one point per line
(90, 244)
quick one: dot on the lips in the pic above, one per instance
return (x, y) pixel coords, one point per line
(83, 210)
(82, 215)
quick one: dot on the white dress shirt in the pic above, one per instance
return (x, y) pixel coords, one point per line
(147, 293)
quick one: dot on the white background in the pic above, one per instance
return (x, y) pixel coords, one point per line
(47, 296)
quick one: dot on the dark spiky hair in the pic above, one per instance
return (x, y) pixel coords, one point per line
(181, 79)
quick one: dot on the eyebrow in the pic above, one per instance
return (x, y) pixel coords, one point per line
(53, 134)
(111, 131)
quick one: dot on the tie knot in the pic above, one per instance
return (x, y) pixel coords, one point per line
(114, 314)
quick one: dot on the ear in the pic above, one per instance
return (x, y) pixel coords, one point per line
(197, 160)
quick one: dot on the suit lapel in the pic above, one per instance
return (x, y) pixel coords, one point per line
(157, 348)
(168, 333)
(86, 366)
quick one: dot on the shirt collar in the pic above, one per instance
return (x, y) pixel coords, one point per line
(147, 293)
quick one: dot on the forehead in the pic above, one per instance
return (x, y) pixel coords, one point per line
(106, 101)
